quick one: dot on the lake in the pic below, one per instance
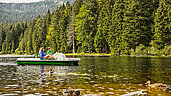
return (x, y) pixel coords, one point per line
(95, 76)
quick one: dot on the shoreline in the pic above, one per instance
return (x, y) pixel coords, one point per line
(82, 54)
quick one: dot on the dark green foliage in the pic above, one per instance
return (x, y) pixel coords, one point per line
(2, 36)
(71, 28)
(103, 25)
(15, 12)
(119, 27)
(86, 25)
(162, 34)
(115, 36)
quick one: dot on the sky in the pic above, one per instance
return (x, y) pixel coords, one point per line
(19, 1)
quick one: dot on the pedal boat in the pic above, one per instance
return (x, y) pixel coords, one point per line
(60, 59)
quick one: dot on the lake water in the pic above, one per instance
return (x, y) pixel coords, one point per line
(95, 76)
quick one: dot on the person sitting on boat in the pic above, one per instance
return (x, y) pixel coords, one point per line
(42, 54)
(50, 53)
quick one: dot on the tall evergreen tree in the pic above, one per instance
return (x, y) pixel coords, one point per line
(52, 38)
(132, 26)
(115, 36)
(71, 28)
(29, 48)
(71, 33)
(3, 47)
(2, 36)
(36, 36)
(103, 25)
(63, 23)
(47, 19)
(12, 47)
(77, 5)
(163, 24)
(86, 25)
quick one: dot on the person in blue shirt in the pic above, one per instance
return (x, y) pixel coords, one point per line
(42, 54)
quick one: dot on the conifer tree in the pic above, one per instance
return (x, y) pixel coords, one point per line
(12, 47)
(46, 24)
(3, 47)
(115, 35)
(36, 36)
(2, 36)
(71, 33)
(86, 25)
(16, 34)
(47, 19)
(29, 47)
(132, 25)
(146, 11)
(8, 39)
(52, 38)
(163, 24)
(71, 28)
(63, 24)
(103, 24)
(76, 6)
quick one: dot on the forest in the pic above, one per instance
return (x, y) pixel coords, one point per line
(16, 12)
(118, 27)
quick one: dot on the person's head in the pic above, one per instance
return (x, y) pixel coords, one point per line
(41, 49)
(49, 48)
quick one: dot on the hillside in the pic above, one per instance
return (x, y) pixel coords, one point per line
(14, 12)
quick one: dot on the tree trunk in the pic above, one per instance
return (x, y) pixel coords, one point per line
(89, 48)
(73, 18)
(80, 48)
(73, 44)
(105, 47)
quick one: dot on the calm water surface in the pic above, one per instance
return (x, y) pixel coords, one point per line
(95, 76)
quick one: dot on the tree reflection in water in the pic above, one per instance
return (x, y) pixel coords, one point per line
(94, 75)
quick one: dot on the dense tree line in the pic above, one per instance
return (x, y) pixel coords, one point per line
(119, 27)
(15, 12)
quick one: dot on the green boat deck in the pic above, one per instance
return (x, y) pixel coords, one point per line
(37, 61)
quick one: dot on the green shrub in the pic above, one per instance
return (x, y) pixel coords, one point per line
(167, 50)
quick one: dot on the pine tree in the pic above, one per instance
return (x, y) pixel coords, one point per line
(46, 22)
(12, 47)
(115, 36)
(132, 26)
(52, 37)
(86, 26)
(3, 47)
(36, 36)
(163, 24)
(47, 19)
(77, 5)
(63, 24)
(2, 36)
(146, 10)
(8, 39)
(104, 23)
(29, 48)
(71, 33)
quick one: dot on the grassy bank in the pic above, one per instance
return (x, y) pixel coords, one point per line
(87, 54)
